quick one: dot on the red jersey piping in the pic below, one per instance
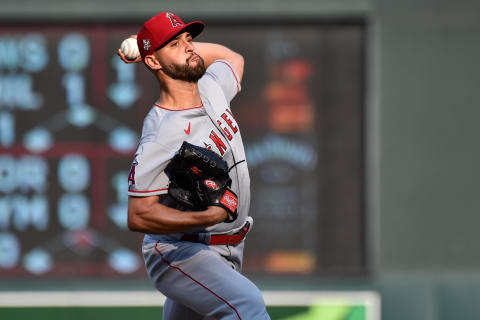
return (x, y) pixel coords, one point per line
(197, 281)
(234, 74)
(145, 191)
(165, 108)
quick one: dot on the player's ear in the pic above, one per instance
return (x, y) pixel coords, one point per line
(152, 62)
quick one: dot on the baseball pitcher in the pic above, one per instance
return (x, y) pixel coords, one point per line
(189, 187)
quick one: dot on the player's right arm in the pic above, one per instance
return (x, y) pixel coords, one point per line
(147, 215)
(210, 52)
(124, 58)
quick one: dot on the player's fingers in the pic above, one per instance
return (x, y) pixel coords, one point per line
(124, 59)
(137, 59)
(122, 56)
(134, 36)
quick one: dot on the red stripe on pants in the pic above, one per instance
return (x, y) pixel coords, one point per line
(196, 281)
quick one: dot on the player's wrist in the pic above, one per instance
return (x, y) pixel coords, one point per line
(216, 214)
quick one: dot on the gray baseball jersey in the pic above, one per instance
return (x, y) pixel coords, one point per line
(200, 281)
(210, 125)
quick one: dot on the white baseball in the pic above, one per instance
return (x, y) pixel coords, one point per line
(129, 48)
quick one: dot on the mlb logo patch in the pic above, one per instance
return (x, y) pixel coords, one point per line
(146, 44)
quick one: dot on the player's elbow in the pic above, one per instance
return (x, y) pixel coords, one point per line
(133, 221)
(137, 208)
(237, 58)
(238, 63)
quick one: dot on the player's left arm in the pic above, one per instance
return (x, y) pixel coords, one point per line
(210, 52)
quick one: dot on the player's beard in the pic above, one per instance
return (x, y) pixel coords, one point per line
(185, 72)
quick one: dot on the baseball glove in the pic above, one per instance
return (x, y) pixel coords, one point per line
(199, 178)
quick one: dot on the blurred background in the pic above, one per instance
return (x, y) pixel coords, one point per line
(359, 123)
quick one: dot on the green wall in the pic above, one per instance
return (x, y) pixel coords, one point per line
(424, 176)
(427, 102)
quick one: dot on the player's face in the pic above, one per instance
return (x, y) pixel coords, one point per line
(179, 60)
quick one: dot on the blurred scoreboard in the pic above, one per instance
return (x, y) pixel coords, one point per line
(68, 131)
(70, 118)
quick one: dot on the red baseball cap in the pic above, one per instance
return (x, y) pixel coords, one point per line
(162, 28)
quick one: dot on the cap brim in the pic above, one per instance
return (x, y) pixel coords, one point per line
(194, 28)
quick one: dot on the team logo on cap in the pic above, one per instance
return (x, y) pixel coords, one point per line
(146, 44)
(174, 20)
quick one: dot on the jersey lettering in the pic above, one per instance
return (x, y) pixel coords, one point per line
(131, 175)
(229, 122)
(225, 131)
(208, 146)
(218, 142)
(175, 21)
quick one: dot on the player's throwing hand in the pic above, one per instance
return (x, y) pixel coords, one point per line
(124, 47)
